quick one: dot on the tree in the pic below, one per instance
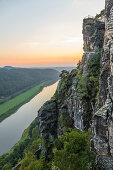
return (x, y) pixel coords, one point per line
(76, 152)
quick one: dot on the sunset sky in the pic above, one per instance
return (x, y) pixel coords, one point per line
(43, 32)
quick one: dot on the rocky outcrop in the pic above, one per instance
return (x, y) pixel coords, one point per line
(102, 126)
(102, 136)
(107, 56)
(93, 30)
(93, 33)
(47, 119)
(73, 107)
(70, 101)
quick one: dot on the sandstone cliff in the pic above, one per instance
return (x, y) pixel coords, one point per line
(102, 126)
(84, 96)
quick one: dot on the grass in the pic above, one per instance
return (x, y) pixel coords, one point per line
(9, 107)
(18, 150)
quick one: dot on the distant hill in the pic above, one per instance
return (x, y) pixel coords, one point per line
(16, 80)
(8, 67)
(64, 68)
(60, 68)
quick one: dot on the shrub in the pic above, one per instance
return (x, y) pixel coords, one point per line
(75, 153)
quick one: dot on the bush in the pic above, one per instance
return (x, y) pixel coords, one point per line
(82, 86)
(75, 153)
(31, 163)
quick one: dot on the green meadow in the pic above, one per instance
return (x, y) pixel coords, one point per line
(9, 107)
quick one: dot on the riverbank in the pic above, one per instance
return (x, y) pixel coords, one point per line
(17, 152)
(10, 107)
(11, 128)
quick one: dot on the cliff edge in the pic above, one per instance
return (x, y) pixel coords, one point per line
(84, 96)
(102, 126)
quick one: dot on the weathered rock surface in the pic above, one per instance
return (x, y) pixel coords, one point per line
(71, 101)
(68, 106)
(74, 106)
(47, 119)
(93, 31)
(107, 57)
(102, 135)
(102, 126)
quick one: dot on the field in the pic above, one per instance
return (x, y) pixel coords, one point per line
(9, 107)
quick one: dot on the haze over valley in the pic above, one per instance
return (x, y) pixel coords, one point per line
(56, 85)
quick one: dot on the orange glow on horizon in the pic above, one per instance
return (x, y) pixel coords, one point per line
(39, 61)
(44, 60)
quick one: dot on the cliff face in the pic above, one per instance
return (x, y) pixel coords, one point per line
(73, 100)
(93, 32)
(107, 68)
(102, 126)
(80, 107)
(84, 97)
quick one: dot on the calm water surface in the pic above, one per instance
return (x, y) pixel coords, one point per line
(11, 128)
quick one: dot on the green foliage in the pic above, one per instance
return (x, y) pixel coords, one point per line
(8, 108)
(63, 89)
(64, 83)
(78, 65)
(83, 86)
(17, 80)
(55, 96)
(71, 151)
(88, 86)
(29, 141)
(65, 120)
(75, 153)
(101, 13)
(88, 19)
(64, 74)
(30, 162)
(94, 64)
(94, 73)
(7, 167)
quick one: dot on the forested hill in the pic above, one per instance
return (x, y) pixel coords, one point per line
(74, 130)
(16, 80)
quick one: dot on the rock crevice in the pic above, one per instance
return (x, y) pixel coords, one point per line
(73, 107)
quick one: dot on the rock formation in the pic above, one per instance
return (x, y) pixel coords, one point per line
(79, 101)
(102, 126)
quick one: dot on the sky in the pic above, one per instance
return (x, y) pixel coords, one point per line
(43, 32)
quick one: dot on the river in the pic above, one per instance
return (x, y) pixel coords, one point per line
(11, 128)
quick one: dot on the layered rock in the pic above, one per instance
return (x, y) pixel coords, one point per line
(107, 64)
(75, 108)
(47, 121)
(102, 126)
(69, 107)
(102, 136)
(93, 33)
(71, 102)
